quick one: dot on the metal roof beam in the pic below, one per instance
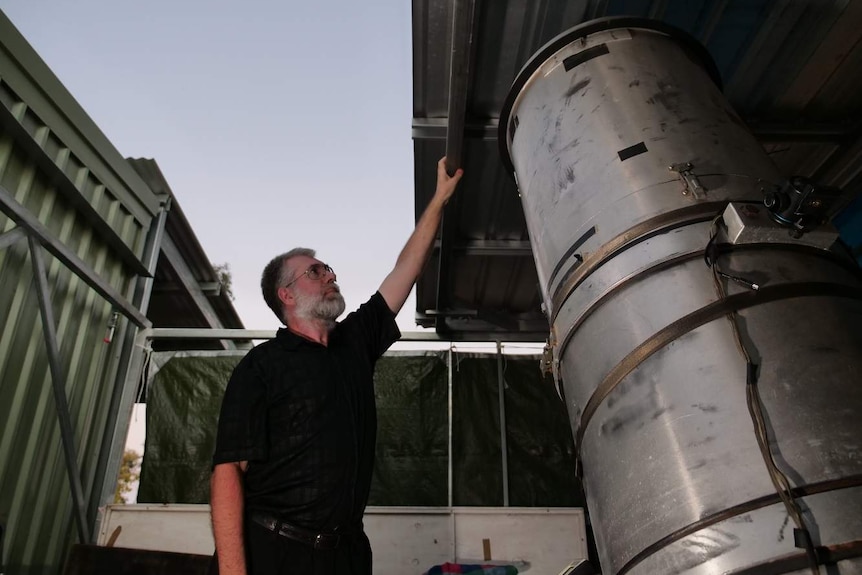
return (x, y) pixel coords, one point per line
(503, 248)
(460, 56)
(438, 129)
(843, 169)
(596, 8)
(804, 132)
(189, 283)
(465, 328)
(22, 216)
(712, 20)
(207, 288)
(829, 57)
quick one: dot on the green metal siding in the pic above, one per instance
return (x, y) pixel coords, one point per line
(70, 178)
(35, 499)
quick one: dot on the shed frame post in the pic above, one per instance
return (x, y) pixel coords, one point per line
(504, 449)
(58, 383)
(128, 374)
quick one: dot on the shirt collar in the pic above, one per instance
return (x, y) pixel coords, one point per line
(291, 340)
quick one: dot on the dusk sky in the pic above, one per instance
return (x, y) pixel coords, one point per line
(276, 124)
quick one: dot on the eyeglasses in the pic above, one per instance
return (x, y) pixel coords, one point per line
(314, 272)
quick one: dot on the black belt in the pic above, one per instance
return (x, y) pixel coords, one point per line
(316, 540)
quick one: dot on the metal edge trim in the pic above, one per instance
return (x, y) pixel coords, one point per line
(686, 40)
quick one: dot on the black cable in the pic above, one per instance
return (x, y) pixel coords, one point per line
(802, 536)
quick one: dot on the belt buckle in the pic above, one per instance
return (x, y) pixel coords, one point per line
(326, 541)
(270, 523)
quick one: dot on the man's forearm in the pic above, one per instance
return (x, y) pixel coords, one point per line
(227, 503)
(397, 285)
(415, 252)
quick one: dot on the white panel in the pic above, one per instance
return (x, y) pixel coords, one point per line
(408, 540)
(541, 540)
(175, 527)
(405, 540)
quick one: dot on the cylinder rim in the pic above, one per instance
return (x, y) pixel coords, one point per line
(562, 40)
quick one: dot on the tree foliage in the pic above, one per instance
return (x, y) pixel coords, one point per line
(225, 278)
(130, 472)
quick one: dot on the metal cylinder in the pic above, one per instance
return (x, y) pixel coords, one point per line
(626, 156)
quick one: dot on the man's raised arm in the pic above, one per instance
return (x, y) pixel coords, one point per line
(397, 285)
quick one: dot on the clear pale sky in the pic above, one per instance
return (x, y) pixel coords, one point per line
(277, 124)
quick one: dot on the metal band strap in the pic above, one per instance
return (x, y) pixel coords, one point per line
(646, 272)
(826, 555)
(572, 249)
(645, 230)
(719, 249)
(850, 482)
(696, 319)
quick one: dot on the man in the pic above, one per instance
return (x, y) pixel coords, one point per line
(295, 447)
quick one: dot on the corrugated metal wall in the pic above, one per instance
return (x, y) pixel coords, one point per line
(56, 165)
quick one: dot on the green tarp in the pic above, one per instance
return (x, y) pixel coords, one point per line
(539, 444)
(183, 403)
(411, 467)
(411, 462)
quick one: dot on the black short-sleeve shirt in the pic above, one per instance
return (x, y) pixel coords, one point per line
(303, 415)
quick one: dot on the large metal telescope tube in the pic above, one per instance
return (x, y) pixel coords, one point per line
(625, 152)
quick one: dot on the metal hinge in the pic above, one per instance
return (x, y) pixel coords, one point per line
(689, 180)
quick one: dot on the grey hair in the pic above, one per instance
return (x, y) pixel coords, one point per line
(275, 275)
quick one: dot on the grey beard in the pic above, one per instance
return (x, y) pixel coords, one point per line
(320, 308)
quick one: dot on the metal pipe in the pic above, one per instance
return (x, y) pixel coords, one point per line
(449, 474)
(58, 383)
(504, 446)
(460, 56)
(245, 334)
(459, 75)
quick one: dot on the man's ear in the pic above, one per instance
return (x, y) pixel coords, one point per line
(285, 296)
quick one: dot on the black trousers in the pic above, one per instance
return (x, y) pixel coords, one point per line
(269, 553)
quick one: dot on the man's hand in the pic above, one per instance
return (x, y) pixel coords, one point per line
(446, 184)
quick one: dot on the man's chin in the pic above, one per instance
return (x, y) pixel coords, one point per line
(332, 307)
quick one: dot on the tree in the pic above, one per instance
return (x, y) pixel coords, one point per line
(224, 278)
(130, 472)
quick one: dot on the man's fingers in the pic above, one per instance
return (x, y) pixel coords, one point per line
(443, 172)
